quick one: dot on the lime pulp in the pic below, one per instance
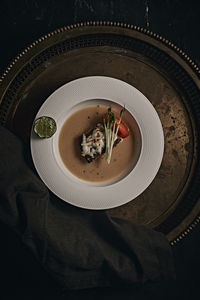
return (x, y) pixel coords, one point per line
(44, 127)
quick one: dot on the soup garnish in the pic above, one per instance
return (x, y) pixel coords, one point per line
(104, 137)
(45, 127)
(89, 160)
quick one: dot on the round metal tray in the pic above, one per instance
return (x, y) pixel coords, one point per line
(161, 71)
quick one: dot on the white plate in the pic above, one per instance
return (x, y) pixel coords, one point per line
(71, 189)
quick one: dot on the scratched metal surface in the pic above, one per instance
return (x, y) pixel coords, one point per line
(49, 65)
(162, 194)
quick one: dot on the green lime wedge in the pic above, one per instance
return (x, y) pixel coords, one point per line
(44, 127)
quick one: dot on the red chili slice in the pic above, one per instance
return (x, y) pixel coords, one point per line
(123, 131)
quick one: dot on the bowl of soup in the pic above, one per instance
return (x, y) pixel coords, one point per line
(82, 119)
(76, 108)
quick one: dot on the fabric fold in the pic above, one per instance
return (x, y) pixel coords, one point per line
(80, 248)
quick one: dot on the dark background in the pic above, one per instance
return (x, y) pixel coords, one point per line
(23, 21)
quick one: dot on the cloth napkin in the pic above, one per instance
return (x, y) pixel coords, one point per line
(79, 248)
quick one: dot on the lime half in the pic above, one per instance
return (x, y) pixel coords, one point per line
(45, 127)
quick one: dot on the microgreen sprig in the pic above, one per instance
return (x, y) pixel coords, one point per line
(111, 131)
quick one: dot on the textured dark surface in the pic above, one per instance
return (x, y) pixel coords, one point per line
(24, 21)
(80, 248)
(152, 68)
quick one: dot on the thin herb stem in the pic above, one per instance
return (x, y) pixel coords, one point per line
(111, 131)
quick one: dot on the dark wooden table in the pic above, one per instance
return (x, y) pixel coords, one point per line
(23, 21)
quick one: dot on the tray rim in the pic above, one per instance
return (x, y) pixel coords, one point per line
(42, 43)
(155, 39)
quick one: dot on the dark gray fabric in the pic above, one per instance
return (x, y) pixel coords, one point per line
(79, 248)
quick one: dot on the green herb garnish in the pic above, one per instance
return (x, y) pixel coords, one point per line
(111, 131)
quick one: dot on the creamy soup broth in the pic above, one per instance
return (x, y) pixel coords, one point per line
(98, 170)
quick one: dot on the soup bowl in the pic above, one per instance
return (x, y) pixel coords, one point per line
(143, 121)
(81, 163)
